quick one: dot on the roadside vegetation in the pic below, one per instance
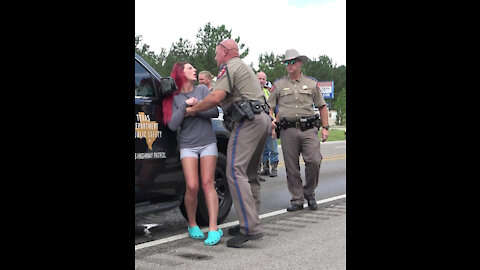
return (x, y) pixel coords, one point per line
(334, 135)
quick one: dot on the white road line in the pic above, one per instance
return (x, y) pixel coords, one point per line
(226, 225)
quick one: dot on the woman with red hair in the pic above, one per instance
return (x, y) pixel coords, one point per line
(197, 140)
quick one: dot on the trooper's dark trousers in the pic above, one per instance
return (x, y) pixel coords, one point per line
(294, 141)
(244, 151)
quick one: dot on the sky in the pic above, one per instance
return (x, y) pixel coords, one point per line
(312, 27)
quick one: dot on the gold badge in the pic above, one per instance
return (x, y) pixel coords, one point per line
(304, 87)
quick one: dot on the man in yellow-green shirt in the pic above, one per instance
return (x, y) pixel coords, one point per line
(270, 152)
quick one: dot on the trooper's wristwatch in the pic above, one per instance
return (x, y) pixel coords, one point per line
(326, 127)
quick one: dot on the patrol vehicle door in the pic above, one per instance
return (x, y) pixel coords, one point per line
(157, 160)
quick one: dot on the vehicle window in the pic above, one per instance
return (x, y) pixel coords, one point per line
(143, 81)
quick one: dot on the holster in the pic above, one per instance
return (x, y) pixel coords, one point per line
(241, 110)
(278, 129)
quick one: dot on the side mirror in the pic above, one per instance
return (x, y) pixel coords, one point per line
(163, 87)
(167, 86)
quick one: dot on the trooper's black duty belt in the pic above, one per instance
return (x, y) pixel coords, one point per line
(303, 123)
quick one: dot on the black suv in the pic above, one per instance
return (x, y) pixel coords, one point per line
(159, 180)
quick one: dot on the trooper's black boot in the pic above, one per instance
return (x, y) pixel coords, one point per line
(295, 207)
(239, 239)
(312, 204)
(234, 230)
(273, 172)
(266, 168)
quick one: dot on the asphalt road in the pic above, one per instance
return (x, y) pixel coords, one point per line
(302, 239)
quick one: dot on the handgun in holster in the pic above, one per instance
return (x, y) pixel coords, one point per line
(279, 127)
(237, 113)
(245, 109)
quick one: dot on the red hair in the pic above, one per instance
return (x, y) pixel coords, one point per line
(179, 77)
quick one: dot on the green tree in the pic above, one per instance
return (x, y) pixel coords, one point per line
(204, 51)
(180, 51)
(321, 69)
(272, 66)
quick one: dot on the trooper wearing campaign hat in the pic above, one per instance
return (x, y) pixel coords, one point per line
(294, 96)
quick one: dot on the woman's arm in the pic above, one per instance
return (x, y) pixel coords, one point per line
(178, 113)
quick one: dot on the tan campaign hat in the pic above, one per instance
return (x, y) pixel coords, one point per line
(292, 54)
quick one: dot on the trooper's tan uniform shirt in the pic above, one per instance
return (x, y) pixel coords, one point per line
(239, 77)
(245, 145)
(295, 98)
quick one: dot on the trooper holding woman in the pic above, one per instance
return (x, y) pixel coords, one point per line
(239, 94)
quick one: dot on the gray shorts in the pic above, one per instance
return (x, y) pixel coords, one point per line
(200, 151)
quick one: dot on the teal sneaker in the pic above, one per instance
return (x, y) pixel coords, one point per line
(213, 237)
(195, 233)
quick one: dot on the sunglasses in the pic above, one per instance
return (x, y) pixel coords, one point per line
(220, 43)
(291, 62)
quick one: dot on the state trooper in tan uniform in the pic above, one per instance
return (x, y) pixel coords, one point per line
(239, 94)
(295, 95)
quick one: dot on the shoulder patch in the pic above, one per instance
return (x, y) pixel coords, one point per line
(221, 72)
